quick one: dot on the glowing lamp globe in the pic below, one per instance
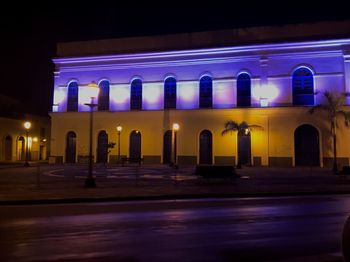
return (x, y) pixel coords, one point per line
(92, 90)
(176, 126)
(27, 125)
(119, 128)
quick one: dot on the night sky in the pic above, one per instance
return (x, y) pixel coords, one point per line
(29, 32)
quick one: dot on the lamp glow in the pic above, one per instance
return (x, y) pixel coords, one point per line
(27, 125)
(92, 90)
(176, 127)
(119, 128)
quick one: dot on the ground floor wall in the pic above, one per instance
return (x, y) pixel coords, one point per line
(272, 141)
(14, 141)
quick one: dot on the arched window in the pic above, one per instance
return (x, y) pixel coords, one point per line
(72, 103)
(135, 144)
(303, 87)
(136, 95)
(167, 144)
(306, 146)
(102, 147)
(243, 90)
(244, 147)
(103, 96)
(206, 147)
(205, 92)
(21, 148)
(170, 93)
(71, 147)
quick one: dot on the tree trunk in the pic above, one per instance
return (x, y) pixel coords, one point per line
(335, 166)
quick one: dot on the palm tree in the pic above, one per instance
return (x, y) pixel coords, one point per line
(232, 126)
(334, 109)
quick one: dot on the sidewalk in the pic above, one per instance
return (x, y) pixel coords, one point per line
(65, 184)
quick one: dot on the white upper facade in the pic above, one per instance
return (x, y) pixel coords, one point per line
(270, 67)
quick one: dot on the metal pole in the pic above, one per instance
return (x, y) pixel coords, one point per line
(27, 149)
(118, 147)
(90, 181)
(175, 134)
(172, 146)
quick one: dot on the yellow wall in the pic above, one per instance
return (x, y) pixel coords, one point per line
(14, 128)
(275, 140)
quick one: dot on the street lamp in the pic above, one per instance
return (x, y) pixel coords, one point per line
(119, 129)
(27, 125)
(92, 92)
(176, 128)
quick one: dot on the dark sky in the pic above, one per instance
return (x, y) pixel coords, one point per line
(29, 32)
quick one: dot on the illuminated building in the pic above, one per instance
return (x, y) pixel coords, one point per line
(14, 140)
(264, 76)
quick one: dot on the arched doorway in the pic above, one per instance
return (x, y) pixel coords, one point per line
(244, 147)
(71, 147)
(205, 147)
(167, 147)
(135, 144)
(8, 148)
(102, 147)
(306, 146)
(21, 148)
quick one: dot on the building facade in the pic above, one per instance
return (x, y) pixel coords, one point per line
(14, 142)
(271, 85)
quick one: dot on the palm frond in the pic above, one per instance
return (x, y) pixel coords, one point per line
(255, 127)
(243, 125)
(346, 115)
(230, 126)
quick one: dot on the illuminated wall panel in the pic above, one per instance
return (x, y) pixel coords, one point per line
(84, 98)
(60, 99)
(153, 96)
(119, 97)
(187, 95)
(255, 92)
(224, 94)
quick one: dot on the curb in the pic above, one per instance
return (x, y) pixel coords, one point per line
(164, 197)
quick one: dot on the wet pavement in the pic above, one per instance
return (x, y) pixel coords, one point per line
(241, 229)
(66, 182)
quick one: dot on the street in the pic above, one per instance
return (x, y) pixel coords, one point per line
(241, 229)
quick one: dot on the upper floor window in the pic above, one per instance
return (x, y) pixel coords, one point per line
(170, 93)
(303, 87)
(205, 92)
(243, 90)
(72, 102)
(136, 95)
(103, 96)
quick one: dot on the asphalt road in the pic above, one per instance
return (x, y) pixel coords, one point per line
(263, 229)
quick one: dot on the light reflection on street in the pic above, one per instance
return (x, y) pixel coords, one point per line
(204, 230)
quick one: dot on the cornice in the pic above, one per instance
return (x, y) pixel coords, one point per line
(204, 53)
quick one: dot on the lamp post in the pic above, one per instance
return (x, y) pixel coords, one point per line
(175, 128)
(119, 130)
(92, 90)
(27, 125)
